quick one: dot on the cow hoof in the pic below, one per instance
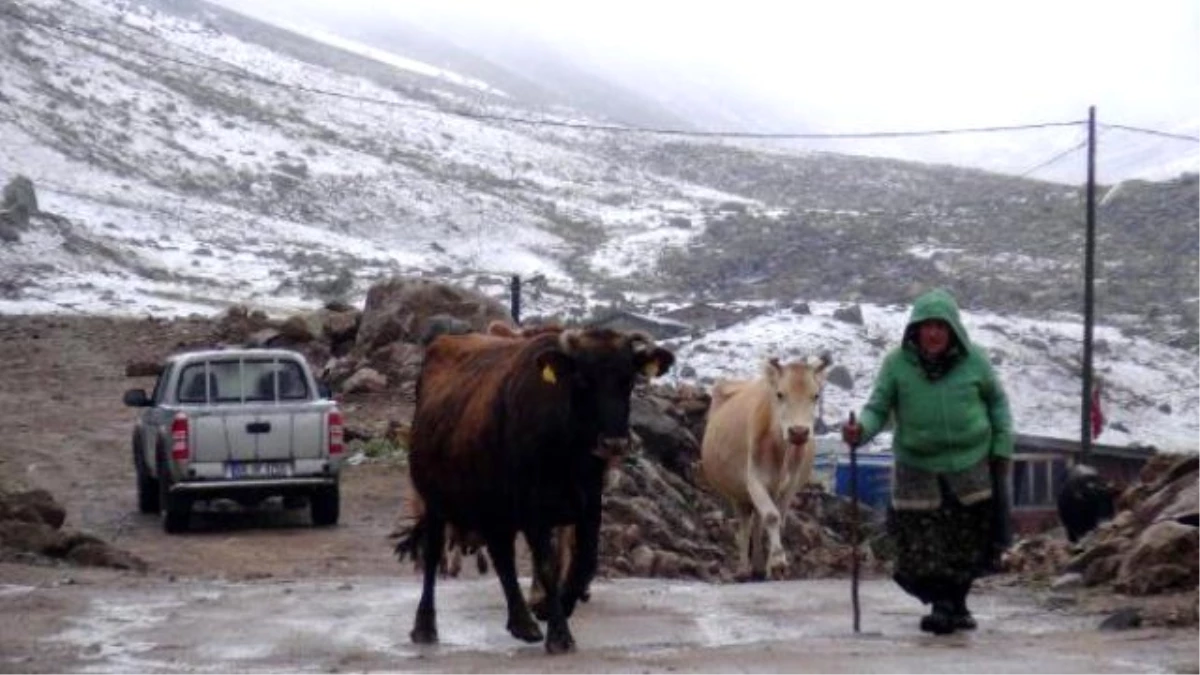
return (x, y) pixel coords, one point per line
(540, 610)
(560, 643)
(424, 635)
(753, 576)
(525, 630)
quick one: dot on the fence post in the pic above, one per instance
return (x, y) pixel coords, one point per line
(515, 298)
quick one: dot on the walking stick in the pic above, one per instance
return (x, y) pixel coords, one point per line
(854, 529)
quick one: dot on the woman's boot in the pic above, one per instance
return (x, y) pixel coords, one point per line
(941, 621)
(960, 615)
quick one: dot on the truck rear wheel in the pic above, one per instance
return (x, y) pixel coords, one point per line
(176, 509)
(147, 492)
(325, 505)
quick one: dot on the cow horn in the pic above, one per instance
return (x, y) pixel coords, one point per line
(640, 341)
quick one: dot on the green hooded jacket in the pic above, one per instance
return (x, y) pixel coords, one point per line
(946, 424)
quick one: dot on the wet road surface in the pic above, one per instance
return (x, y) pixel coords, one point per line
(631, 625)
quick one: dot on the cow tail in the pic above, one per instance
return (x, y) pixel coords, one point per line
(411, 540)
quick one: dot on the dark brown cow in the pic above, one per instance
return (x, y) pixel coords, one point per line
(513, 435)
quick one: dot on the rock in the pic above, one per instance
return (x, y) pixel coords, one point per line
(1067, 581)
(1101, 570)
(641, 561)
(20, 202)
(1122, 619)
(8, 231)
(33, 506)
(366, 380)
(663, 438)
(238, 323)
(100, 554)
(341, 326)
(666, 565)
(1163, 557)
(34, 537)
(399, 309)
(839, 376)
(296, 330)
(141, 368)
(442, 324)
(851, 315)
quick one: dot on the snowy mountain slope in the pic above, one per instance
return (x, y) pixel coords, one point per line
(396, 172)
(182, 169)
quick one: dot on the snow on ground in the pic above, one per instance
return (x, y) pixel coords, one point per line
(1151, 390)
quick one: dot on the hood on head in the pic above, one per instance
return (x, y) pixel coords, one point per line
(937, 304)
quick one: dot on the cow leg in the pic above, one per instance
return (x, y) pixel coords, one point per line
(580, 553)
(520, 622)
(558, 634)
(777, 563)
(565, 552)
(425, 626)
(758, 549)
(537, 592)
(742, 536)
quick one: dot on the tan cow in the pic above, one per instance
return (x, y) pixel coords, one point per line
(758, 450)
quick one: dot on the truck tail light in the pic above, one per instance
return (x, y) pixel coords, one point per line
(179, 437)
(337, 443)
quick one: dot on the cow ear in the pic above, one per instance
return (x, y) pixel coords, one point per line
(655, 362)
(821, 363)
(553, 366)
(772, 370)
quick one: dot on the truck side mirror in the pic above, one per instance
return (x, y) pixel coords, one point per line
(137, 398)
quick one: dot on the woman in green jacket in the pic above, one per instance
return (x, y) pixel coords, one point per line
(952, 433)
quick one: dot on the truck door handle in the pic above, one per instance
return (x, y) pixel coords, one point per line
(258, 428)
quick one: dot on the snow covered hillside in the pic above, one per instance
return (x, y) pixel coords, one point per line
(180, 169)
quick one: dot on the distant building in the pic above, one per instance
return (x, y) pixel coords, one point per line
(659, 329)
(1040, 466)
(704, 317)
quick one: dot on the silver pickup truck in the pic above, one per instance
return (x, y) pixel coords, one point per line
(244, 424)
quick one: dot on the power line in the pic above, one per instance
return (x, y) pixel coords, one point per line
(1055, 158)
(1152, 132)
(587, 126)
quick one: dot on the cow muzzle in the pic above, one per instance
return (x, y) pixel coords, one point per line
(797, 435)
(609, 448)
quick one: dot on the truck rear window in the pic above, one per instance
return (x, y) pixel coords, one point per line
(236, 380)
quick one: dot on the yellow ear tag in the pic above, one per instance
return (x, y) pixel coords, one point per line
(650, 369)
(548, 374)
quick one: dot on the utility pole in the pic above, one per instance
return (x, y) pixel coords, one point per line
(515, 298)
(1089, 278)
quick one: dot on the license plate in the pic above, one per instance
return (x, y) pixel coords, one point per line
(258, 469)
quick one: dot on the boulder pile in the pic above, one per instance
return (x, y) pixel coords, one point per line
(31, 527)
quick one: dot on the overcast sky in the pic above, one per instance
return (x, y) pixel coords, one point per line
(856, 65)
(961, 60)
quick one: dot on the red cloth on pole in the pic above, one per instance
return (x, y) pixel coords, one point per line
(1096, 414)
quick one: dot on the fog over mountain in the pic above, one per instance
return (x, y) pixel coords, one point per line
(857, 66)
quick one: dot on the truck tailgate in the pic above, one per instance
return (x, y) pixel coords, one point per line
(269, 432)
